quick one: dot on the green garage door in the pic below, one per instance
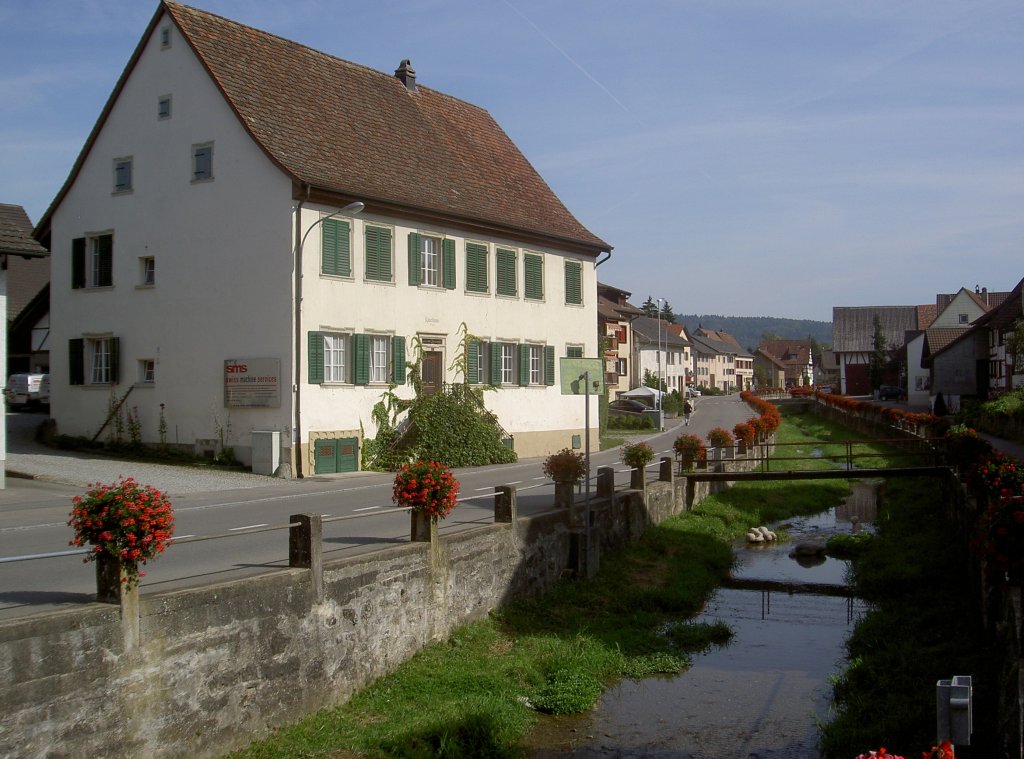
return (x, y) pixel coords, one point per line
(340, 455)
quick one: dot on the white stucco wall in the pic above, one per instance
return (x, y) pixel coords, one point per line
(222, 249)
(355, 305)
(918, 393)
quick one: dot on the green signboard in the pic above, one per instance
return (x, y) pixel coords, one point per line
(573, 371)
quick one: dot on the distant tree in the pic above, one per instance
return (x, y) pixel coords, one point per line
(650, 308)
(1015, 345)
(879, 355)
(667, 314)
(651, 380)
(768, 336)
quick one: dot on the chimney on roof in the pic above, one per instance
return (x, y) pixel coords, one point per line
(984, 295)
(407, 74)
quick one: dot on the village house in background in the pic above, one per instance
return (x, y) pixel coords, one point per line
(720, 362)
(659, 352)
(785, 363)
(24, 267)
(614, 317)
(853, 341)
(257, 237)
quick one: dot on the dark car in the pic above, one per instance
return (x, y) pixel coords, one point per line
(890, 393)
(625, 404)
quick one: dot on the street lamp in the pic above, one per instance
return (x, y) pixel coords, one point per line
(349, 210)
(658, 396)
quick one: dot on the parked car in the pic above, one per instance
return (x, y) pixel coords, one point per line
(890, 393)
(693, 392)
(22, 389)
(628, 405)
(44, 391)
(825, 389)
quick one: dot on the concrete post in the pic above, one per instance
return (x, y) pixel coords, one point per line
(605, 482)
(305, 549)
(638, 480)
(505, 505)
(665, 472)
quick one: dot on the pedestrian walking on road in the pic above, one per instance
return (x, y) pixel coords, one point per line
(687, 410)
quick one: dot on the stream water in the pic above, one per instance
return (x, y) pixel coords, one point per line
(764, 694)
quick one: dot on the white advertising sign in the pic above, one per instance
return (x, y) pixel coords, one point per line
(252, 383)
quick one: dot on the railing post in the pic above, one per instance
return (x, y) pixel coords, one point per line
(665, 471)
(605, 481)
(305, 549)
(505, 505)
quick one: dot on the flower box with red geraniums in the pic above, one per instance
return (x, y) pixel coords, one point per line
(745, 431)
(690, 449)
(427, 487)
(999, 540)
(720, 437)
(125, 521)
(637, 455)
(565, 466)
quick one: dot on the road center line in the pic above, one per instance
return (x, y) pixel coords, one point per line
(248, 527)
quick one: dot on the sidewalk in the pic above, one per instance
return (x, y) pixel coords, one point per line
(1009, 447)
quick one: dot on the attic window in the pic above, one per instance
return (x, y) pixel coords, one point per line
(165, 37)
(963, 318)
(163, 107)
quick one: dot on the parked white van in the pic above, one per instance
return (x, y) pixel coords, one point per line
(22, 389)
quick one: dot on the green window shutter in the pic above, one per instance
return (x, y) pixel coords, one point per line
(414, 258)
(315, 358)
(448, 264)
(472, 361)
(78, 263)
(361, 359)
(105, 253)
(336, 254)
(549, 364)
(573, 282)
(574, 351)
(76, 361)
(495, 352)
(115, 360)
(506, 272)
(378, 253)
(524, 364)
(533, 276)
(476, 267)
(398, 360)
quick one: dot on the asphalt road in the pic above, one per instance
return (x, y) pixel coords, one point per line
(38, 574)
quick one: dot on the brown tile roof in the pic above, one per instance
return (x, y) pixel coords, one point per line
(352, 133)
(939, 337)
(16, 232)
(926, 314)
(787, 352)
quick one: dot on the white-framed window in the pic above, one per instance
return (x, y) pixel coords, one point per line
(163, 107)
(379, 345)
(508, 364)
(620, 367)
(165, 37)
(536, 364)
(336, 358)
(147, 271)
(100, 361)
(430, 261)
(123, 174)
(202, 162)
(573, 351)
(962, 318)
(147, 371)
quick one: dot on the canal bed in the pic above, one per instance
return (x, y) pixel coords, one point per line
(764, 694)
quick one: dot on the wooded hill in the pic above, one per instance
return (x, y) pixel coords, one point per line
(751, 330)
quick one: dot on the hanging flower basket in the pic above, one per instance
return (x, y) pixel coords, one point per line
(426, 487)
(126, 524)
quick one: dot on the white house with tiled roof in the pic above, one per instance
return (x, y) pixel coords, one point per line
(211, 273)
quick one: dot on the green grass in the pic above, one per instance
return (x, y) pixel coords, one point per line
(923, 626)
(477, 694)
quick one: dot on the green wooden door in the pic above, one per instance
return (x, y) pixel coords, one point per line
(339, 455)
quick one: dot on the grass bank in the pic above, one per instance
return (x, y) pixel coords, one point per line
(924, 625)
(477, 694)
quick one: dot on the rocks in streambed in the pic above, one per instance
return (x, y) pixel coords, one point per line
(761, 535)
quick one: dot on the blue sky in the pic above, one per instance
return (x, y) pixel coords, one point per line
(771, 158)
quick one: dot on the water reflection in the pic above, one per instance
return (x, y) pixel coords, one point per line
(761, 696)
